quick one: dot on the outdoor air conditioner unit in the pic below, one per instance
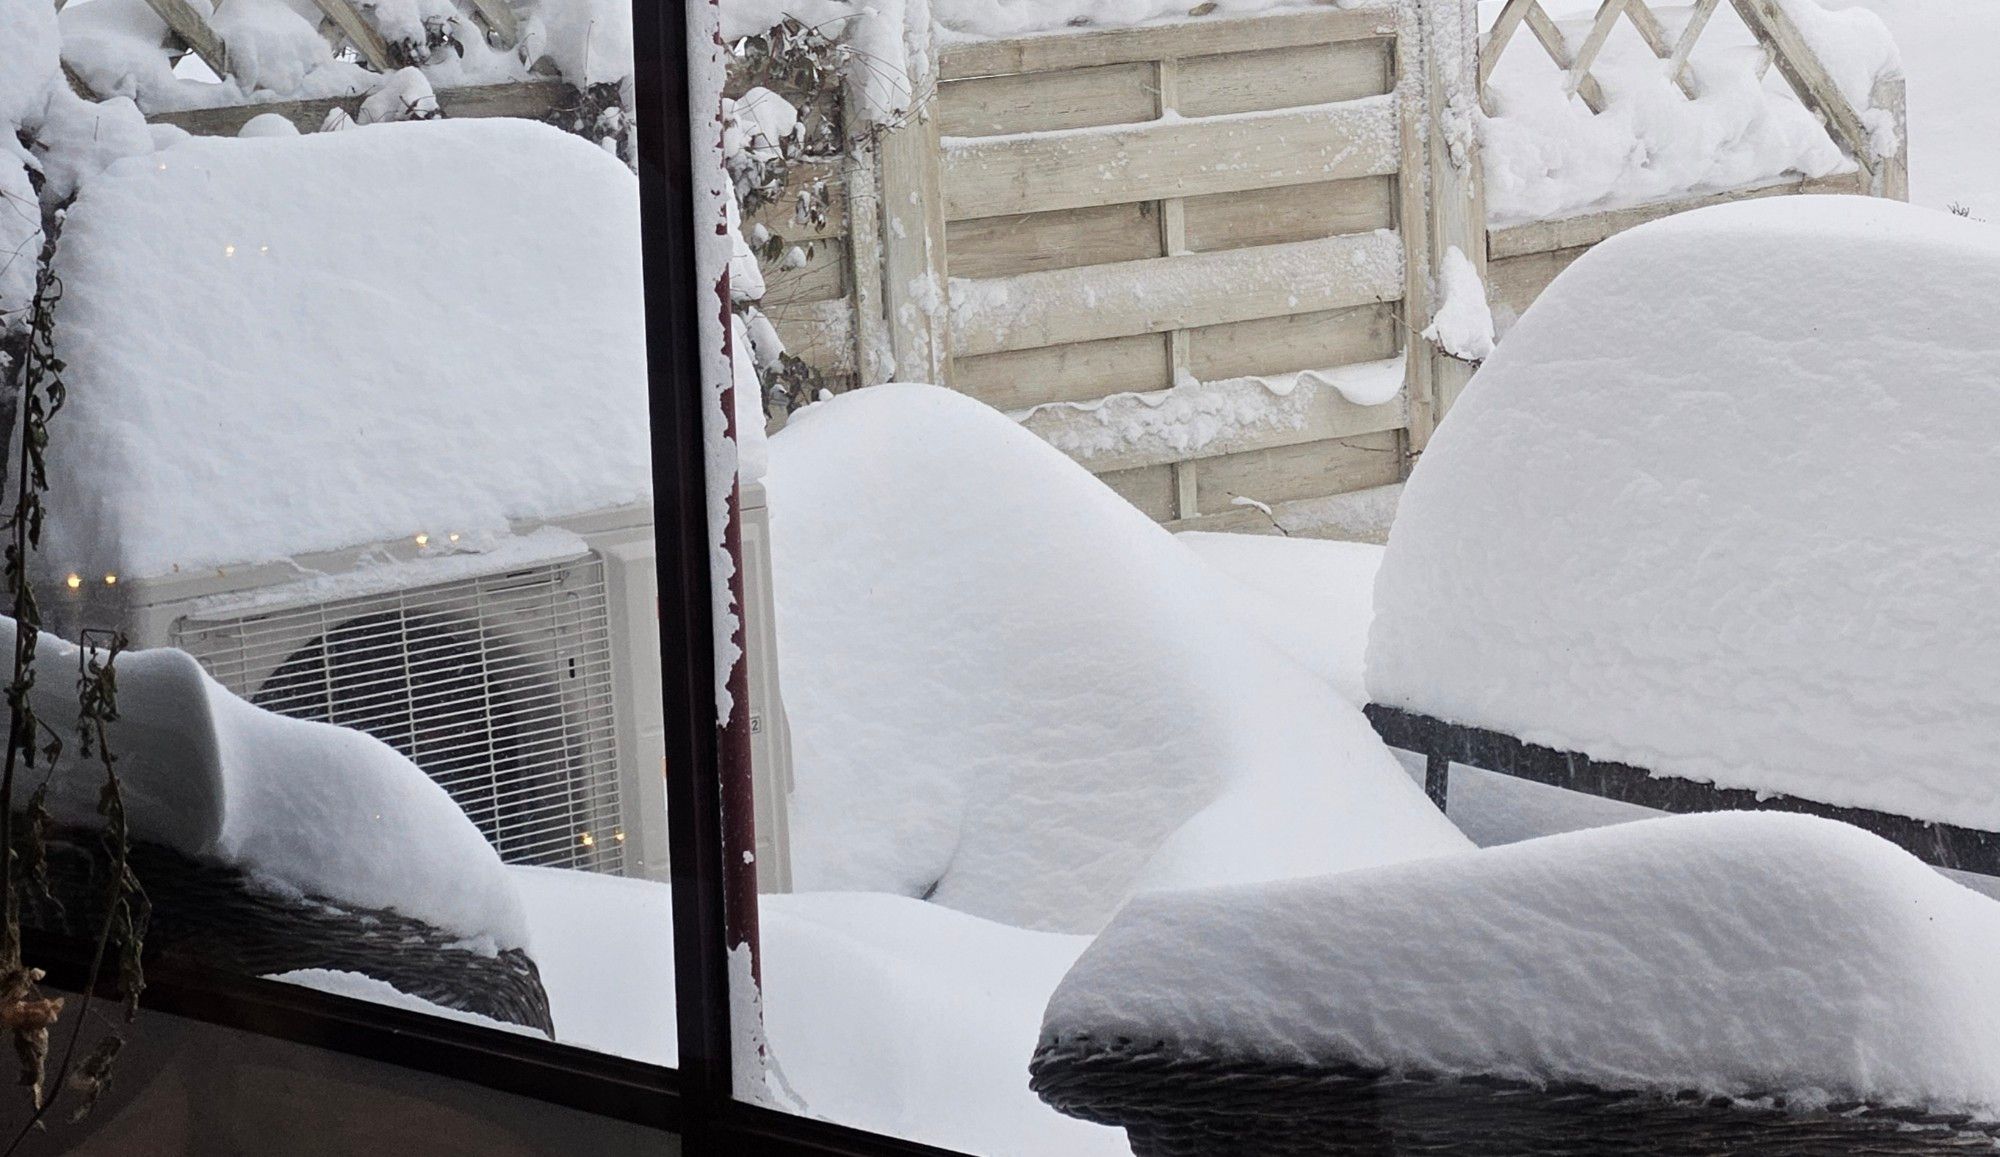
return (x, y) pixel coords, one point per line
(521, 672)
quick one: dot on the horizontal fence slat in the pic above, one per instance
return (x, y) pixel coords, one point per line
(1072, 49)
(532, 99)
(1077, 98)
(1299, 471)
(1066, 373)
(1126, 432)
(1290, 213)
(1589, 228)
(1238, 82)
(1277, 345)
(1150, 488)
(1167, 293)
(1029, 172)
(1063, 239)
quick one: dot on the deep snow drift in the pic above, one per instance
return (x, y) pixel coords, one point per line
(877, 1009)
(1739, 535)
(1736, 954)
(304, 807)
(249, 386)
(1012, 691)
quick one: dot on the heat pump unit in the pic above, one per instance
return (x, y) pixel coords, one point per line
(520, 672)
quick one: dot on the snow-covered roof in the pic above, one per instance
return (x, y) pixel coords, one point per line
(286, 345)
(1723, 506)
(1011, 690)
(1735, 954)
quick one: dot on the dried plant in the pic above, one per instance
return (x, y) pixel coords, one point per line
(27, 1014)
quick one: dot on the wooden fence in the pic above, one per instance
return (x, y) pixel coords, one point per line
(1192, 255)
(1075, 218)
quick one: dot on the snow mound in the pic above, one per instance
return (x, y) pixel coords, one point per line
(880, 1009)
(1010, 690)
(1737, 954)
(1737, 535)
(303, 807)
(1309, 597)
(421, 327)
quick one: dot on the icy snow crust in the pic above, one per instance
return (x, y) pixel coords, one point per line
(305, 808)
(448, 336)
(1737, 954)
(1012, 691)
(1722, 506)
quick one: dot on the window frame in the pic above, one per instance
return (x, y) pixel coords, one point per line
(696, 1100)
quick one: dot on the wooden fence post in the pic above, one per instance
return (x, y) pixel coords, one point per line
(914, 289)
(1456, 205)
(1892, 173)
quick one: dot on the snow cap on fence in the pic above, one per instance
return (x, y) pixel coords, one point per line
(1723, 505)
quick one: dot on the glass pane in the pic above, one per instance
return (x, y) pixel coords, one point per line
(322, 331)
(188, 1087)
(1246, 485)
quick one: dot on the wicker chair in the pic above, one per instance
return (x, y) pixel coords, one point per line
(1181, 1103)
(218, 917)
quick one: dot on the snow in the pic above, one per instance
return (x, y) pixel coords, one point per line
(1309, 598)
(1547, 155)
(1737, 535)
(984, 19)
(303, 807)
(1010, 690)
(1947, 50)
(360, 987)
(877, 1009)
(502, 378)
(268, 124)
(1203, 418)
(404, 94)
(47, 129)
(589, 41)
(446, 558)
(115, 46)
(1463, 324)
(716, 252)
(1736, 954)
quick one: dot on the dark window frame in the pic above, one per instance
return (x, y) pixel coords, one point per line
(695, 1100)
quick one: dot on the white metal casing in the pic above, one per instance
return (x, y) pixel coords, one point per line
(604, 563)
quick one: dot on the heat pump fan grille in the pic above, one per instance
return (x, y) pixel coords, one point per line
(500, 687)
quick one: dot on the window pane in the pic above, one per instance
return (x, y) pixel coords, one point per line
(332, 319)
(1245, 485)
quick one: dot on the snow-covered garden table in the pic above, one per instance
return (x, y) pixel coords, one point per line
(1692, 985)
(1715, 529)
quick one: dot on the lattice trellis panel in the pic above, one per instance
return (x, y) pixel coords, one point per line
(1781, 40)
